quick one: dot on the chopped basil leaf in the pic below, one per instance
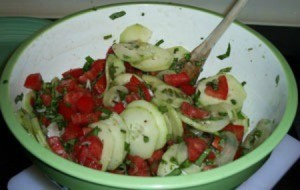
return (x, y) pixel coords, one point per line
(250, 49)
(225, 70)
(225, 55)
(19, 98)
(174, 160)
(187, 56)
(117, 15)
(233, 101)
(223, 114)
(244, 83)
(185, 164)
(162, 109)
(94, 132)
(146, 139)
(107, 37)
(69, 145)
(240, 115)
(88, 63)
(175, 50)
(143, 14)
(277, 80)
(159, 42)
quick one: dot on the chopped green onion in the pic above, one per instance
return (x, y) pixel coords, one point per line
(187, 56)
(202, 157)
(175, 172)
(117, 15)
(225, 70)
(225, 55)
(107, 37)
(88, 64)
(159, 42)
(94, 132)
(277, 80)
(244, 83)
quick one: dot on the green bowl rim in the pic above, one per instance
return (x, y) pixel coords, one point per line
(112, 180)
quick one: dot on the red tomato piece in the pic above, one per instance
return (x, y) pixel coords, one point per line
(100, 85)
(85, 118)
(238, 153)
(195, 146)
(238, 130)
(216, 143)
(68, 85)
(193, 112)
(110, 51)
(65, 110)
(132, 97)
(138, 166)
(133, 84)
(177, 79)
(73, 73)
(46, 99)
(34, 81)
(86, 130)
(45, 121)
(146, 93)
(57, 147)
(155, 160)
(99, 65)
(72, 132)
(118, 107)
(85, 104)
(131, 69)
(188, 89)
(222, 89)
(71, 98)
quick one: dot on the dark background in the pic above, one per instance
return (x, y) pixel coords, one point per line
(287, 39)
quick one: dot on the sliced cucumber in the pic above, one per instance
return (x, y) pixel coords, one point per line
(27, 102)
(230, 147)
(142, 130)
(178, 52)
(236, 93)
(122, 79)
(112, 95)
(171, 95)
(152, 81)
(114, 67)
(241, 119)
(133, 52)
(209, 126)
(136, 32)
(167, 165)
(159, 119)
(108, 141)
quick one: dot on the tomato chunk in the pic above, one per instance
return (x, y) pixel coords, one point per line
(177, 79)
(238, 130)
(138, 166)
(34, 81)
(155, 160)
(46, 99)
(100, 85)
(85, 118)
(219, 91)
(196, 147)
(85, 104)
(188, 89)
(72, 132)
(193, 112)
(118, 107)
(73, 73)
(57, 147)
(65, 110)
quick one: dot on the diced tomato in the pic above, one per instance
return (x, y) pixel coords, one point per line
(92, 163)
(71, 132)
(118, 107)
(85, 104)
(216, 143)
(221, 91)
(65, 110)
(177, 79)
(46, 99)
(57, 147)
(238, 153)
(146, 93)
(196, 147)
(98, 101)
(73, 73)
(45, 121)
(131, 69)
(34, 81)
(110, 51)
(68, 85)
(132, 97)
(211, 155)
(238, 130)
(133, 84)
(100, 85)
(138, 166)
(96, 68)
(85, 118)
(86, 130)
(99, 65)
(188, 89)
(193, 112)
(71, 98)
(155, 160)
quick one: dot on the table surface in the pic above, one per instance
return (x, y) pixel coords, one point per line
(286, 39)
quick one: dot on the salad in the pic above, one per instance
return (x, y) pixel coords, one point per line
(139, 112)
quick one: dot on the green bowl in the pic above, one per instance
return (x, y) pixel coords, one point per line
(271, 87)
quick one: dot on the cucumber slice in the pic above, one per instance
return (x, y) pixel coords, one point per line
(143, 131)
(209, 126)
(119, 141)
(241, 119)
(112, 95)
(152, 81)
(108, 141)
(122, 79)
(27, 102)
(167, 165)
(159, 119)
(236, 93)
(178, 52)
(230, 147)
(160, 60)
(136, 32)
(133, 52)
(171, 95)
(114, 67)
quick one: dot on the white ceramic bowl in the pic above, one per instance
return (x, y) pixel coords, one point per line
(271, 87)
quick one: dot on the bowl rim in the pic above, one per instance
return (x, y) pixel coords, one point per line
(113, 180)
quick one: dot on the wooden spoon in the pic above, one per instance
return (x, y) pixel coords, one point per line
(194, 65)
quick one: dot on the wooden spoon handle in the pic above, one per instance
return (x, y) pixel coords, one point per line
(205, 47)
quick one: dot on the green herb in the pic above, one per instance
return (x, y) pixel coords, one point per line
(146, 139)
(175, 50)
(4, 81)
(123, 131)
(213, 84)
(107, 37)
(94, 132)
(162, 109)
(225, 55)
(88, 63)
(175, 172)
(126, 57)
(277, 80)
(117, 15)
(240, 115)
(250, 49)
(185, 164)
(223, 114)
(163, 161)
(233, 101)
(122, 95)
(106, 113)
(143, 14)
(196, 96)
(127, 147)
(159, 42)
(174, 160)
(19, 98)
(187, 56)
(69, 145)
(202, 157)
(244, 83)
(112, 71)
(225, 70)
